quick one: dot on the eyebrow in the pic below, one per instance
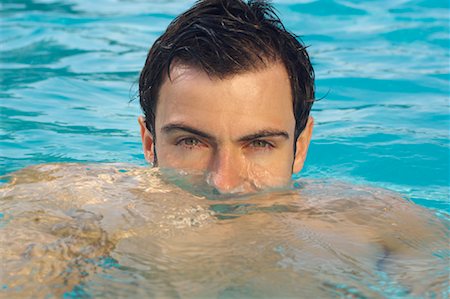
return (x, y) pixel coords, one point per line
(257, 135)
(181, 127)
(265, 134)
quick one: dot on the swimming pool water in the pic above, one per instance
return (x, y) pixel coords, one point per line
(69, 70)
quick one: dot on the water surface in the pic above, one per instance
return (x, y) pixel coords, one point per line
(103, 231)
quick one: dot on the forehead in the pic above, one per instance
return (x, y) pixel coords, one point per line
(244, 101)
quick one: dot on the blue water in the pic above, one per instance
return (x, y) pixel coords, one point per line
(69, 70)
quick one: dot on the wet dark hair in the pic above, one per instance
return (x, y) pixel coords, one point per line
(225, 38)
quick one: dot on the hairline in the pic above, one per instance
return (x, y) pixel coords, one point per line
(263, 64)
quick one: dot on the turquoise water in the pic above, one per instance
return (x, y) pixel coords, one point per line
(69, 70)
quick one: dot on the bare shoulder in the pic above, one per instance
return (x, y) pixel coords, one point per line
(395, 222)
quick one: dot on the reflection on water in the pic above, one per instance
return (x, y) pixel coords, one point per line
(106, 230)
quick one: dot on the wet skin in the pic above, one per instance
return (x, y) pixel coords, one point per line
(237, 131)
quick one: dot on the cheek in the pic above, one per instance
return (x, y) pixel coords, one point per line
(172, 157)
(271, 170)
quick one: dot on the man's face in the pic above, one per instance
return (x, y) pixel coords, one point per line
(237, 131)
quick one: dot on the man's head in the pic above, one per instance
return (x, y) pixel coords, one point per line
(227, 90)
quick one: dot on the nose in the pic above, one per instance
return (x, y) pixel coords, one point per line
(225, 173)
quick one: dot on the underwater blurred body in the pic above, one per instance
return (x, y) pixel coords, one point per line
(109, 231)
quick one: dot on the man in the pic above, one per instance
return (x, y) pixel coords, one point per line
(227, 91)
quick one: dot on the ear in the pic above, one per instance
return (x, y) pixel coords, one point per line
(147, 141)
(302, 146)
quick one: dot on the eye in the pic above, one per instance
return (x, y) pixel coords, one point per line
(261, 144)
(189, 142)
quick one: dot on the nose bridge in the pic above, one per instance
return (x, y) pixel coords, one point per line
(226, 169)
